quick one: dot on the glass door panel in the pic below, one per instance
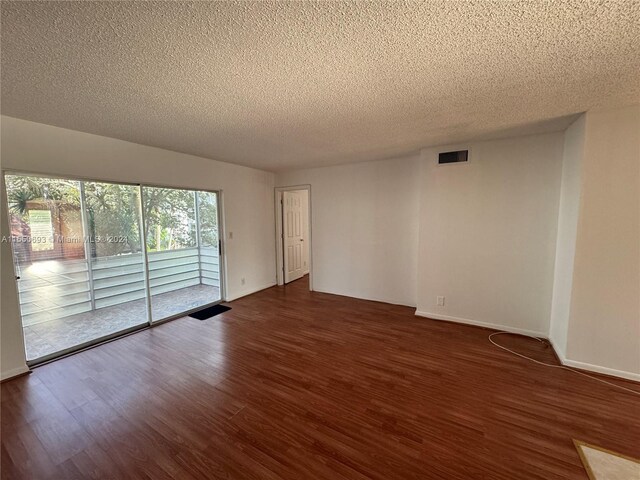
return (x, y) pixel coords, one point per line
(77, 250)
(116, 258)
(181, 229)
(208, 240)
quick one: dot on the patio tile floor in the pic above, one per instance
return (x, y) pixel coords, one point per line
(55, 335)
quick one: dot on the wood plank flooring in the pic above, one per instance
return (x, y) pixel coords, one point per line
(292, 384)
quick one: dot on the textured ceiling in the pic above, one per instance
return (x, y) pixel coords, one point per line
(293, 84)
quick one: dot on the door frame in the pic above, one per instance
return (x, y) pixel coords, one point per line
(149, 322)
(279, 231)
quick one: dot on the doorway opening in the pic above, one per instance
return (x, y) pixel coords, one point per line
(293, 234)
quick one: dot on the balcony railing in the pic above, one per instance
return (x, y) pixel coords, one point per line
(55, 289)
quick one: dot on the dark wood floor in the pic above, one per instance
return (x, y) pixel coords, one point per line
(292, 384)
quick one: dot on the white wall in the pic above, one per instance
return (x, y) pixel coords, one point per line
(488, 233)
(406, 230)
(247, 196)
(604, 322)
(572, 161)
(364, 223)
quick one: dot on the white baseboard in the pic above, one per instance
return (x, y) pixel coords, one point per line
(495, 326)
(250, 292)
(593, 368)
(598, 369)
(389, 301)
(564, 361)
(14, 373)
(559, 353)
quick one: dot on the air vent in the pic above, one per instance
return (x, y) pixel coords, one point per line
(453, 157)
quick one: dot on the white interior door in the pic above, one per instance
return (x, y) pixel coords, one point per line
(293, 235)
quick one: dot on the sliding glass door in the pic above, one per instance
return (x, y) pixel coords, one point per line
(182, 248)
(95, 260)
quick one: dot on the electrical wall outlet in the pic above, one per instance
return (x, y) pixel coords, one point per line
(440, 301)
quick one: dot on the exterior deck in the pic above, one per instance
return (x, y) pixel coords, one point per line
(65, 303)
(55, 335)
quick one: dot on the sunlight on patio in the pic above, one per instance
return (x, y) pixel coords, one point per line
(54, 335)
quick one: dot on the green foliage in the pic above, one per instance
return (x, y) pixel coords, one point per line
(208, 203)
(23, 189)
(170, 218)
(112, 211)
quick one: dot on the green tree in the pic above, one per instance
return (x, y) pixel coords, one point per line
(112, 211)
(169, 218)
(208, 218)
(24, 189)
